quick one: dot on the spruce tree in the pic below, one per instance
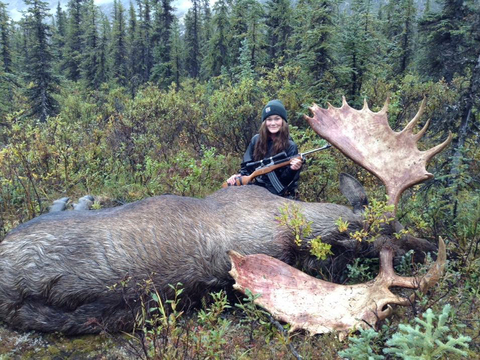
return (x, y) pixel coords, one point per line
(119, 45)
(205, 36)
(41, 84)
(246, 66)
(134, 69)
(313, 40)
(362, 47)
(447, 39)
(408, 34)
(72, 55)
(103, 70)
(279, 29)
(218, 56)
(247, 22)
(176, 53)
(89, 65)
(8, 81)
(400, 30)
(20, 45)
(255, 35)
(239, 28)
(162, 71)
(192, 40)
(206, 18)
(145, 39)
(5, 49)
(59, 34)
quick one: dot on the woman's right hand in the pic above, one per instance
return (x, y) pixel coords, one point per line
(232, 179)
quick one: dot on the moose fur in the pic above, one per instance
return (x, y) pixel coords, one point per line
(58, 271)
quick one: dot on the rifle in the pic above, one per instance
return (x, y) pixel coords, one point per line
(270, 164)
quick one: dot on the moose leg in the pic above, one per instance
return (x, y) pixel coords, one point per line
(86, 319)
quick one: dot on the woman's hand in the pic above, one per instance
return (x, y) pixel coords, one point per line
(231, 179)
(296, 164)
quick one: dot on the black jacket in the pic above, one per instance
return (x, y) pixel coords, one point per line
(288, 177)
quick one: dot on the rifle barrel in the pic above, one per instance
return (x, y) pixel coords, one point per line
(317, 149)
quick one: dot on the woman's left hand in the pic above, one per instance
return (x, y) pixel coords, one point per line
(296, 164)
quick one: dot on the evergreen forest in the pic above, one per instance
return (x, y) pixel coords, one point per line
(140, 102)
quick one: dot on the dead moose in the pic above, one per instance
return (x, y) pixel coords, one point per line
(57, 270)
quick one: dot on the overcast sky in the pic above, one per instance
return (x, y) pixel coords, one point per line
(15, 7)
(180, 5)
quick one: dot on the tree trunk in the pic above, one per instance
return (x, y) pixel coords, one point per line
(467, 104)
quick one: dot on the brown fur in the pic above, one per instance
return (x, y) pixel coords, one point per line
(56, 270)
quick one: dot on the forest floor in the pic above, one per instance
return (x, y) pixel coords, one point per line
(34, 345)
(235, 343)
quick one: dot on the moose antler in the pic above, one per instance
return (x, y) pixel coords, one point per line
(319, 306)
(366, 138)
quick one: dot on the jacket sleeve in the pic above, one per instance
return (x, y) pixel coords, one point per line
(286, 174)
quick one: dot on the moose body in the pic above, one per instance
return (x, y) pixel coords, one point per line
(57, 270)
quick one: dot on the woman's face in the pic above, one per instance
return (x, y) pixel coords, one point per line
(274, 123)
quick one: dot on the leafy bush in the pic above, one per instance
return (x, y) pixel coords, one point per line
(292, 218)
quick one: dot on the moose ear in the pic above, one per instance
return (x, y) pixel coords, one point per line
(354, 192)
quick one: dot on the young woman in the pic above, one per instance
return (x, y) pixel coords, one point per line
(272, 139)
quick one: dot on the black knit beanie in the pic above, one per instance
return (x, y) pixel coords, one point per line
(274, 107)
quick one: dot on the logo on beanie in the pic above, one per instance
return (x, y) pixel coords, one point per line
(267, 110)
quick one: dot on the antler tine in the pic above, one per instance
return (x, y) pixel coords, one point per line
(431, 278)
(383, 314)
(434, 274)
(385, 106)
(388, 278)
(435, 150)
(421, 132)
(387, 274)
(365, 105)
(411, 125)
(314, 108)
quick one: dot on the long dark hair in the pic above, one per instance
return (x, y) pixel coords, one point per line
(280, 142)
